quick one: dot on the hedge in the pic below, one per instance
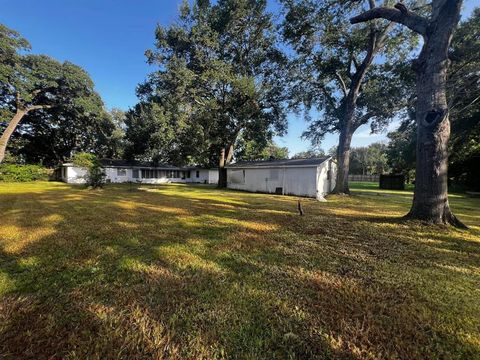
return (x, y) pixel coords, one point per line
(22, 173)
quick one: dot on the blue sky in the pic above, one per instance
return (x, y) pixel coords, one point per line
(108, 38)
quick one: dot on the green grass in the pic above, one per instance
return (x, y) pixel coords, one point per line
(181, 271)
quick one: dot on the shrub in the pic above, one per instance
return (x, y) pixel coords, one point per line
(22, 173)
(95, 177)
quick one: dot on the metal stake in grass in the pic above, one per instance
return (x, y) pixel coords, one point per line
(300, 208)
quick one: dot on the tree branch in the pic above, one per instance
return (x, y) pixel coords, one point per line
(383, 36)
(399, 15)
(37, 107)
(342, 83)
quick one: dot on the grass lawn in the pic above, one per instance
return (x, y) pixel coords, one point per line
(181, 271)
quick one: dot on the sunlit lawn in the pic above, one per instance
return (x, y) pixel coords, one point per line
(189, 272)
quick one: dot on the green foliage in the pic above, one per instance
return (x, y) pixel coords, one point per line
(115, 141)
(85, 160)
(463, 88)
(254, 151)
(22, 173)
(62, 110)
(464, 93)
(221, 74)
(332, 70)
(95, 177)
(401, 149)
(369, 160)
(309, 154)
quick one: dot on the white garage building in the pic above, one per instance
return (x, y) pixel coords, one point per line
(302, 177)
(120, 171)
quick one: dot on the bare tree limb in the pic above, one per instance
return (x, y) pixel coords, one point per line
(383, 35)
(37, 107)
(399, 15)
(342, 83)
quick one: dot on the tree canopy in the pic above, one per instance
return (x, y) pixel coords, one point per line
(334, 70)
(55, 103)
(221, 75)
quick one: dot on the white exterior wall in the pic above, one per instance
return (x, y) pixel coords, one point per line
(213, 176)
(324, 184)
(301, 181)
(205, 176)
(112, 176)
(76, 175)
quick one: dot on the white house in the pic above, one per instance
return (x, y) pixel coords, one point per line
(302, 177)
(119, 171)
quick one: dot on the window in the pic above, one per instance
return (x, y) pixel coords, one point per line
(237, 177)
(64, 169)
(148, 174)
(197, 174)
(135, 174)
(121, 172)
(187, 174)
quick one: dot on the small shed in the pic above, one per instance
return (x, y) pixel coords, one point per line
(392, 182)
(302, 177)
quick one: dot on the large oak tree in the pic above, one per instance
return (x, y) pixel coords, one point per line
(430, 202)
(336, 69)
(45, 90)
(221, 63)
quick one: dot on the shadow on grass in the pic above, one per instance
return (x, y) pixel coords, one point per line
(119, 273)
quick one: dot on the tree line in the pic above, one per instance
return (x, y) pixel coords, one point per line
(228, 72)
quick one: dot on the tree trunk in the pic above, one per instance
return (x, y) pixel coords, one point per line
(347, 123)
(343, 168)
(222, 172)
(226, 155)
(12, 125)
(430, 201)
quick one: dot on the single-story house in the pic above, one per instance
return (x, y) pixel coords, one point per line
(120, 171)
(302, 177)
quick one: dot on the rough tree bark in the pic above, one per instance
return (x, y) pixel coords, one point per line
(343, 157)
(226, 154)
(21, 111)
(222, 172)
(430, 201)
(7, 134)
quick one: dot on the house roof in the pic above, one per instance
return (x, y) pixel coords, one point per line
(140, 164)
(280, 163)
(127, 163)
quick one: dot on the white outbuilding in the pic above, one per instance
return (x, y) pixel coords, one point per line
(302, 177)
(121, 171)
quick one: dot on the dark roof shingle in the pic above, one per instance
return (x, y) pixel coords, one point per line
(275, 163)
(126, 163)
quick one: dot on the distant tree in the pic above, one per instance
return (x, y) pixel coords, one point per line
(401, 149)
(334, 70)
(116, 137)
(38, 90)
(430, 201)
(309, 154)
(160, 132)
(253, 151)
(369, 160)
(463, 90)
(221, 62)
